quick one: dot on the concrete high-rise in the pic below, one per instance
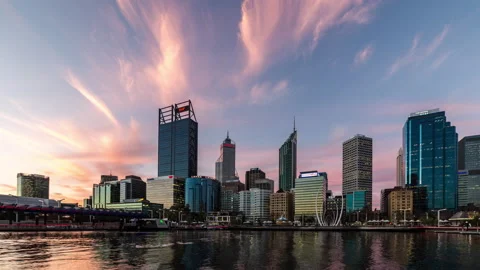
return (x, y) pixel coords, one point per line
(281, 204)
(430, 157)
(266, 184)
(357, 166)
(230, 195)
(106, 192)
(33, 185)
(178, 140)
(132, 187)
(167, 190)
(225, 165)
(287, 164)
(252, 175)
(400, 169)
(469, 171)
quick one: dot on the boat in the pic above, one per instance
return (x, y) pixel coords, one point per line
(146, 224)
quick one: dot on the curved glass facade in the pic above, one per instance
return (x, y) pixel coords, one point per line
(202, 194)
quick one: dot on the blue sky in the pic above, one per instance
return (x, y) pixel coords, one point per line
(82, 82)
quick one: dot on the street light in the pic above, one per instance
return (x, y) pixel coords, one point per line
(438, 215)
(16, 203)
(404, 216)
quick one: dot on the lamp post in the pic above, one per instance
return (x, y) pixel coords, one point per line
(16, 203)
(404, 216)
(438, 216)
(59, 206)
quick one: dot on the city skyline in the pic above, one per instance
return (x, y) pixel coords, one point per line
(84, 101)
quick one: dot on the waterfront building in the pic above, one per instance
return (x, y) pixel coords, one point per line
(177, 140)
(469, 153)
(153, 210)
(166, 190)
(252, 175)
(281, 204)
(469, 171)
(357, 166)
(33, 185)
(106, 192)
(400, 200)
(132, 187)
(202, 194)
(225, 165)
(255, 204)
(400, 169)
(310, 194)
(108, 178)
(229, 195)
(87, 202)
(334, 203)
(267, 184)
(384, 200)
(287, 167)
(356, 201)
(430, 157)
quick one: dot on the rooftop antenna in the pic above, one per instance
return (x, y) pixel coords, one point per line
(227, 134)
(294, 123)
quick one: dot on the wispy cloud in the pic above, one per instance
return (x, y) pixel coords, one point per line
(96, 101)
(439, 60)
(267, 91)
(416, 54)
(363, 55)
(270, 28)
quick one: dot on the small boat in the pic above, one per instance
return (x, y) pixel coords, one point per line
(146, 224)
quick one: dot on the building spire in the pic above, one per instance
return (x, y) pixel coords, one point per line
(294, 124)
(227, 135)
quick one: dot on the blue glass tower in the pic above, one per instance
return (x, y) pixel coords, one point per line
(177, 140)
(430, 157)
(202, 194)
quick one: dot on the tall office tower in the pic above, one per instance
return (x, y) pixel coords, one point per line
(177, 140)
(255, 204)
(132, 187)
(33, 185)
(225, 165)
(167, 190)
(469, 171)
(105, 193)
(252, 175)
(202, 194)
(400, 169)
(108, 178)
(287, 164)
(430, 157)
(310, 194)
(266, 184)
(357, 166)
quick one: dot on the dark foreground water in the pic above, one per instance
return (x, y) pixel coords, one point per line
(238, 250)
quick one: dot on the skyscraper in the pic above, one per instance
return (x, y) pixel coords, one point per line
(400, 169)
(469, 171)
(132, 187)
(287, 164)
(357, 166)
(252, 175)
(33, 185)
(202, 194)
(177, 140)
(225, 165)
(430, 157)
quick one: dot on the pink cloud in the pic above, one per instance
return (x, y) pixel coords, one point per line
(268, 29)
(267, 91)
(363, 55)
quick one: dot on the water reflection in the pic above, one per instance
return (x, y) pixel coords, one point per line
(238, 250)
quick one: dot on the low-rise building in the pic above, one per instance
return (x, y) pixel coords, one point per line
(255, 204)
(356, 200)
(281, 204)
(153, 210)
(400, 204)
(166, 190)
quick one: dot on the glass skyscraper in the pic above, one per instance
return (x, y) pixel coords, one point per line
(177, 140)
(430, 157)
(356, 200)
(287, 164)
(469, 171)
(202, 194)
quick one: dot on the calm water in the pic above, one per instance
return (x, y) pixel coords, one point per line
(238, 250)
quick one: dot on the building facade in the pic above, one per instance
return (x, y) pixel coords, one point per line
(229, 195)
(255, 204)
(468, 188)
(356, 201)
(108, 178)
(132, 187)
(287, 164)
(252, 175)
(400, 169)
(107, 192)
(282, 204)
(400, 200)
(33, 185)
(384, 200)
(166, 190)
(202, 194)
(225, 165)
(310, 194)
(87, 202)
(430, 157)
(357, 166)
(153, 210)
(267, 184)
(177, 140)
(469, 153)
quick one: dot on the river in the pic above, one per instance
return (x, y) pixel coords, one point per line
(238, 250)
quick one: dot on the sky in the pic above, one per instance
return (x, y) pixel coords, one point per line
(81, 82)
